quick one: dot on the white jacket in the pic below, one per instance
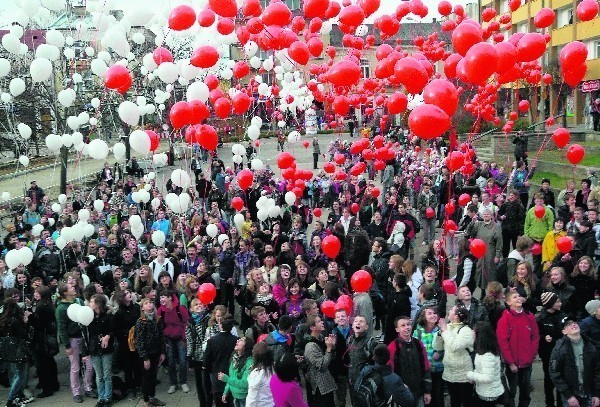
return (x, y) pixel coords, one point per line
(456, 342)
(259, 391)
(487, 375)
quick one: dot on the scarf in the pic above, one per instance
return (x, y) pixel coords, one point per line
(264, 299)
(525, 286)
(196, 317)
(150, 316)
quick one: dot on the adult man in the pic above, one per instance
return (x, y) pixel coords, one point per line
(190, 264)
(161, 224)
(380, 264)
(316, 151)
(226, 259)
(35, 193)
(575, 367)
(48, 261)
(545, 190)
(520, 180)
(339, 365)
(174, 318)
(280, 340)
(318, 354)
(512, 217)
(219, 349)
(427, 202)
(408, 359)
(376, 228)
(586, 239)
(203, 187)
(590, 326)
(488, 231)
(356, 246)
(410, 232)
(360, 349)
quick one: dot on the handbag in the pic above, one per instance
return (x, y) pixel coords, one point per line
(51, 344)
(13, 349)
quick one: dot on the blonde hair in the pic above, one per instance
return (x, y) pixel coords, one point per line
(138, 284)
(398, 263)
(591, 272)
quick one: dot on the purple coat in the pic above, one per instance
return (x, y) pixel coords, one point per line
(286, 394)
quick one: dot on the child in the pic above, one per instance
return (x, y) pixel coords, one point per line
(430, 280)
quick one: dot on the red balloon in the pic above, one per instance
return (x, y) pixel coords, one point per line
(564, 244)
(315, 8)
(285, 160)
(396, 103)
(329, 167)
(315, 46)
(536, 250)
(180, 114)
(154, 140)
(449, 209)
(354, 208)
(530, 47)
(241, 103)
(428, 121)
(161, 55)
(480, 62)
(224, 8)
(333, 10)
(455, 161)
(544, 18)
(450, 65)
(464, 36)
(412, 74)
(205, 56)
(573, 54)
(225, 26)
(524, 106)
(241, 69)
(317, 212)
(561, 137)
(375, 192)
(211, 81)
(207, 293)
(344, 73)
(450, 226)
(237, 203)
(575, 154)
(478, 248)
(331, 246)
(352, 16)
(277, 13)
(539, 211)
(251, 8)
(208, 137)
(445, 8)
(587, 10)
(443, 94)
(429, 213)
(181, 18)
(199, 112)
(345, 302)
(361, 281)
(449, 286)
(328, 308)
(245, 179)
(572, 76)
(206, 17)
(222, 107)
(299, 52)
(118, 78)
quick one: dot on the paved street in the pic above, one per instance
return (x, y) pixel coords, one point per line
(268, 153)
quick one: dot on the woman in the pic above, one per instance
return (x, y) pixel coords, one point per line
(165, 283)
(559, 285)
(143, 278)
(293, 305)
(259, 391)
(549, 247)
(99, 344)
(125, 318)
(45, 341)
(246, 297)
(194, 334)
(465, 269)
(303, 277)
(487, 372)
(280, 287)
(13, 323)
(150, 345)
(316, 257)
(436, 256)
(285, 385)
(494, 302)
(190, 291)
(585, 281)
(456, 339)
(527, 285)
(236, 382)
(398, 304)
(426, 331)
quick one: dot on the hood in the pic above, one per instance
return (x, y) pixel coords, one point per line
(516, 255)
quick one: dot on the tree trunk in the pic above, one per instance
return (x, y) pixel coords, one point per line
(64, 158)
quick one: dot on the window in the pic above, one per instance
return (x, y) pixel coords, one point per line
(293, 4)
(365, 67)
(597, 49)
(564, 17)
(503, 6)
(523, 27)
(593, 47)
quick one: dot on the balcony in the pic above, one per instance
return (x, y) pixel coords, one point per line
(563, 35)
(593, 71)
(588, 29)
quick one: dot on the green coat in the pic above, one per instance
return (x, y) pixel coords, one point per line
(237, 382)
(537, 228)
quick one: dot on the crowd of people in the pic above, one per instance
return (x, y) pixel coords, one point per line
(267, 339)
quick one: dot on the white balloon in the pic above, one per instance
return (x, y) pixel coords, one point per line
(6, 196)
(98, 149)
(69, 53)
(66, 97)
(89, 230)
(238, 149)
(98, 67)
(129, 113)
(73, 123)
(24, 130)
(11, 43)
(262, 215)
(158, 238)
(16, 85)
(274, 211)
(137, 231)
(197, 91)
(140, 142)
(51, 52)
(6, 97)
(24, 160)
(78, 231)
(135, 220)
(12, 259)
(85, 278)
(40, 69)
(53, 142)
(99, 205)
(290, 198)
(135, 196)
(294, 137)
(250, 48)
(238, 159)
(138, 38)
(151, 175)
(212, 230)
(263, 89)
(51, 223)
(238, 220)
(155, 203)
(62, 199)
(119, 149)
(167, 72)
(85, 315)
(281, 124)
(268, 64)
(36, 230)
(180, 178)
(4, 67)
(255, 62)
(73, 312)
(25, 255)
(83, 215)
(67, 234)
(256, 121)
(256, 164)
(253, 132)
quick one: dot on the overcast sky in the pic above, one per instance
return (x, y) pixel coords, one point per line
(387, 6)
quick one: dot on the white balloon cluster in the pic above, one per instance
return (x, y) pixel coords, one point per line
(267, 208)
(137, 227)
(16, 257)
(292, 84)
(178, 203)
(160, 160)
(81, 314)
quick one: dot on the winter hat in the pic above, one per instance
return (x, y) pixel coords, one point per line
(549, 299)
(592, 306)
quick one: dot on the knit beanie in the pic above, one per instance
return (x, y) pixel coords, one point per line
(592, 306)
(549, 299)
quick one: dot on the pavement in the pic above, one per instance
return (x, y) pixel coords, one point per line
(266, 152)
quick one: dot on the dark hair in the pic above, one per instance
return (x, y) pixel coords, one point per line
(427, 292)
(381, 354)
(227, 324)
(45, 296)
(166, 293)
(311, 321)
(10, 311)
(287, 368)
(240, 361)
(462, 313)
(89, 291)
(101, 302)
(262, 356)
(485, 339)
(400, 280)
(285, 323)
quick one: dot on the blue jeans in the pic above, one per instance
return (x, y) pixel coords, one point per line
(239, 402)
(103, 368)
(176, 358)
(17, 373)
(583, 402)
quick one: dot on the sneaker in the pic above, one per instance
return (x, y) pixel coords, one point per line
(91, 394)
(185, 388)
(25, 400)
(171, 389)
(156, 402)
(78, 399)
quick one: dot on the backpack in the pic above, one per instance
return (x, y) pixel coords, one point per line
(369, 391)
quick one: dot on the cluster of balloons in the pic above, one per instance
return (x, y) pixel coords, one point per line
(329, 307)
(81, 314)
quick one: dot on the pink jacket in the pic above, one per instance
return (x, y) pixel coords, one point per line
(286, 394)
(174, 322)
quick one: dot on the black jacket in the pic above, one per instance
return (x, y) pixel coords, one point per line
(563, 369)
(515, 216)
(148, 338)
(549, 324)
(380, 265)
(218, 351)
(587, 243)
(100, 326)
(125, 318)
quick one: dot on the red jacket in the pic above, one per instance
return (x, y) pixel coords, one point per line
(518, 337)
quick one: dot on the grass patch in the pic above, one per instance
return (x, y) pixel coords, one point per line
(556, 181)
(591, 158)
